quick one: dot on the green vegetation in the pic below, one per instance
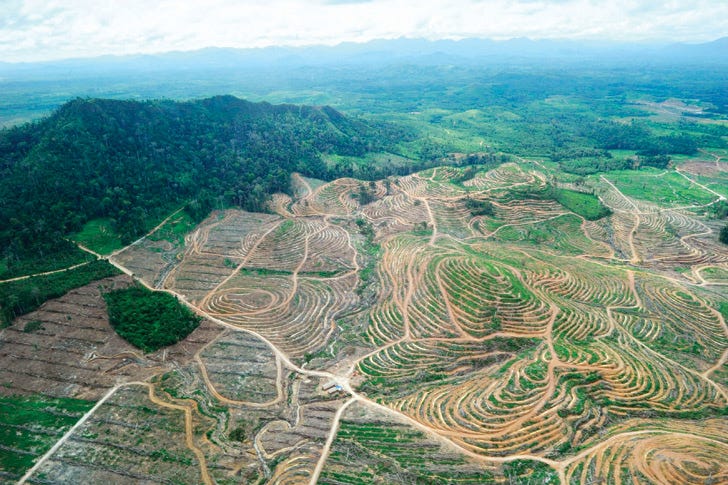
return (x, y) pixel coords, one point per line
(586, 205)
(655, 185)
(372, 250)
(365, 452)
(148, 319)
(364, 196)
(723, 309)
(176, 228)
(107, 171)
(530, 471)
(723, 236)
(719, 210)
(590, 161)
(479, 207)
(63, 254)
(98, 235)
(30, 425)
(33, 326)
(242, 431)
(638, 135)
(23, 296)
(587, 161)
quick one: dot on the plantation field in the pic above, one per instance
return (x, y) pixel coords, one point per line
(449, 326)
(667, 188)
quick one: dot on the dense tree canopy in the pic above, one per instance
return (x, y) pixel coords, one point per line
(147, 319)
(133, 161)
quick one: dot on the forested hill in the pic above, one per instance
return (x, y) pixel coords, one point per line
(134, 161)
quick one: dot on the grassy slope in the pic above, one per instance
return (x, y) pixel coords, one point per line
(99, 236)
(586, 205)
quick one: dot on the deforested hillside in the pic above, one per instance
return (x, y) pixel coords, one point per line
(455, 325)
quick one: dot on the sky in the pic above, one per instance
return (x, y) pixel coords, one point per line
(35, 30)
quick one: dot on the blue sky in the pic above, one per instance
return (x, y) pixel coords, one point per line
(32, 30)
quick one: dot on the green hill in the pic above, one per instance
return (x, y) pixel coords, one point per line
(133, 162)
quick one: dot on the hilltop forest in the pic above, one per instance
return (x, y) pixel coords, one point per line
(133, 162)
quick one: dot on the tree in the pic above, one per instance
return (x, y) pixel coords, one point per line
(723, 237)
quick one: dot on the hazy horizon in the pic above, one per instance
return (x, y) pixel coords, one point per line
(35, 31)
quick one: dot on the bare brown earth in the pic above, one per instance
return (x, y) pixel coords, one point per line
(527, 345)
(76, 353)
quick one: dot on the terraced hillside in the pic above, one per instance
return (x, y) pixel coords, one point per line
(451, 329)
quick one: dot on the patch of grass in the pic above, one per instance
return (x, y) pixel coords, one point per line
(654, 185)
(175, 229)
(586, 205)
(147, 319)
(98, 235)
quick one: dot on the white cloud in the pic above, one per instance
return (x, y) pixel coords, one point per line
(46, 29)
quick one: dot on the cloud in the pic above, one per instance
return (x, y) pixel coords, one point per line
(46, 29)
(343, 2)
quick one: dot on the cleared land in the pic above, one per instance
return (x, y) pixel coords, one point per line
(408, 340)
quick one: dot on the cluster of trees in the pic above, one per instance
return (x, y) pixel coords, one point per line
(149, 320)
(652, 150)
(479, 207)
(588, 166)
(636, 136)
(133, 161)
(606, 163)
(719, 210)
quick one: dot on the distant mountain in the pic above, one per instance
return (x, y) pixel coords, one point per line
(375, 52)
(716, 51)
(331, 74)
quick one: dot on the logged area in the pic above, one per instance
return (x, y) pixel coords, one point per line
(449, 326)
